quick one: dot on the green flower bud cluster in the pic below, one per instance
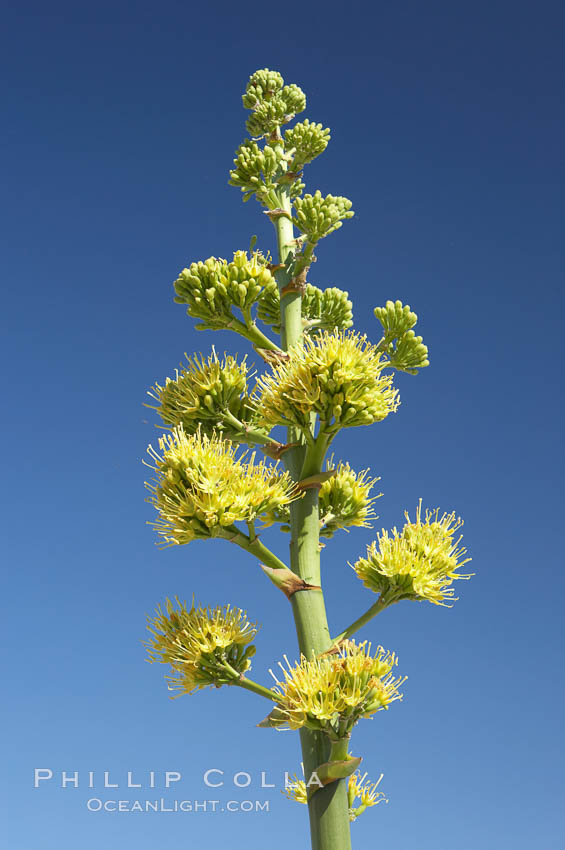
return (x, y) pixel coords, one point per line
(296, 188)
(202, 394)
(213, 287)
(267, 117)
(259, 170)
(326, 309)
(317, 217)
(322, 309)
(420, 562)
(335, 375)
(409, 354)
(204, 646)
(396, 318)
(263, 85)
(201, 489)
(254, 169)
(294, 98)
(272, 102)
(269, 306)
(405, 350)
(305, 141)
(332, 692)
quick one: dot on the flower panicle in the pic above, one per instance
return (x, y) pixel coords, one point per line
(271, 102)
(202, 488)
(405, 351)
(210, 289)
(344, 501)
(305, 141)
(420, 562)
(262, 162)
(317, 216)
(203, 393)
(336, 375)
(204, 646)
(332, 692)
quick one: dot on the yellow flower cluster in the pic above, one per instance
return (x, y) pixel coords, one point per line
(365, 792)
(204, 646)
(420, 562)
(332, 692)
(201, 488)
(296, 790)
(203, 394)
(336, 375)
(357, 789)
(344, 501)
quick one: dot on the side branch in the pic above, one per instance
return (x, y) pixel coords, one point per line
(255, 688)
(375, 609)
(251, 332)
(253, 546)
(251, 435)
(249, 685)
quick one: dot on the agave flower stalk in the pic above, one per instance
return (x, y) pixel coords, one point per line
(320, 377)
(329, 807)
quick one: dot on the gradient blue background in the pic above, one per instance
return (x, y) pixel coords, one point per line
(120, 122)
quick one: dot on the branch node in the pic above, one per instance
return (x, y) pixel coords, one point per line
(336, 648)
(276, 450)
(277, 213)
(315, 481)
(297, 284)
(271, 355)
(333, 771)
(287, 581)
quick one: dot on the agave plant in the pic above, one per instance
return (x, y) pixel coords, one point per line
(319, 376)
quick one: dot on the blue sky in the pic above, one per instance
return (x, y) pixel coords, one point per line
(121, 120)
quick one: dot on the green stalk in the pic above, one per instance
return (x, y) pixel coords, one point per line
(253, 546)
(252, 435)
(253, 334)
(328, 807)
(255, 688)
(375, 609)
(242, 681)
(339, 750)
